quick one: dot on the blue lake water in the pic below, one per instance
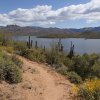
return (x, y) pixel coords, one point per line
(81, 45)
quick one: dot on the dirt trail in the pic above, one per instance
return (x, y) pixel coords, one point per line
(39, 83)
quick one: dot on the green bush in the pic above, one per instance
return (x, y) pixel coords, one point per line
(74, 77)
(90, 96)
(96, 70)
(20, 48)
(4, 39)
(68, 62)
(17, 61)
(9, 71)
(82, 65)
(51, 57)
(62, 70)
(9, 49)
(90, 90)
(35, 55)
(54, 57)
(12, 73)
(2, 67)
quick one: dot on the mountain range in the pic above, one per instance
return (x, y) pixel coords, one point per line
(46, 32)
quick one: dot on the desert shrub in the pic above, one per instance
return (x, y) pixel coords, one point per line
(3, 40)
(55, 58)
(82, 65)
(51, 57)
(9, 49)
(90, 90)
(68, 62)
(87, 66)
(96, 70)
(74, 77)
(12, 73)
(20, 48)
(62, 70)
(35, 55)
(14, 59)
(17, 61)
(2, 67)
(9, 71)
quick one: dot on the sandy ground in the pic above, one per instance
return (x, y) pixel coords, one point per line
(39, 83)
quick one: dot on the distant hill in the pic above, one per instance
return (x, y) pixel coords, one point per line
(37, 31)
(91, 32)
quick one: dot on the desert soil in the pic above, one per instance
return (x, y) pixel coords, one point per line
(39, 83)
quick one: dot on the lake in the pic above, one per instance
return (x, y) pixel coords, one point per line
(81, 45)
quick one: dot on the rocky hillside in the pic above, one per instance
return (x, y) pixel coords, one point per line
(91, 32)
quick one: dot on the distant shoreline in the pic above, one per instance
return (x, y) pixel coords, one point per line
(65, 37)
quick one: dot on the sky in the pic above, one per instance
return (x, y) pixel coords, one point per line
(50, 13)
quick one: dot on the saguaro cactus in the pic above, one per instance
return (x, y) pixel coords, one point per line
(36, 46)
(29, 43)
(44, 48)
(71, 53)
(60, 46)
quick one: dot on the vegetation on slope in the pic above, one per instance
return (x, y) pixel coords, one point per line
(76, 68)
(10, 68)
(90, 90)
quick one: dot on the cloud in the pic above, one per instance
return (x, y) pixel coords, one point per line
(43, 15)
